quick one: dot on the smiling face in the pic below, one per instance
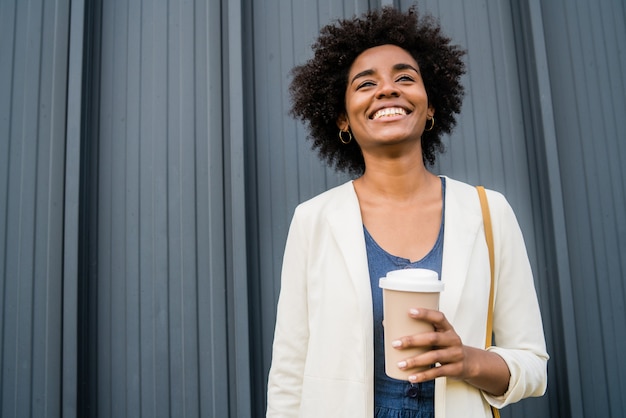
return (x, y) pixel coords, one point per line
(386, 102)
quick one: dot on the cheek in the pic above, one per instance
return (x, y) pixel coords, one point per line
(356, 108)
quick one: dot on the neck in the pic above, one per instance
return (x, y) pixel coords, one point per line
(397, 179)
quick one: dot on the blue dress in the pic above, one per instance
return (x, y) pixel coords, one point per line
(397, 398)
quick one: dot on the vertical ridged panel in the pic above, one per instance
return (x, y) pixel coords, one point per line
(587, 69)
(554, 285)
(33, 72)
(162, 339)
(159, 317)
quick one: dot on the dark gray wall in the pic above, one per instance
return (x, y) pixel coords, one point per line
(166, 226)
(585, 44)
(33, 80)
(149, 170)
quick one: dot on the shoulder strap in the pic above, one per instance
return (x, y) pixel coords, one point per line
(484, 205)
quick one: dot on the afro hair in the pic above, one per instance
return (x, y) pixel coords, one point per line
(318, 87)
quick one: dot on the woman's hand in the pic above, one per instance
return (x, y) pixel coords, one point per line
(480, 368)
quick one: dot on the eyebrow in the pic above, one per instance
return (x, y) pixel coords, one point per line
(397, 67)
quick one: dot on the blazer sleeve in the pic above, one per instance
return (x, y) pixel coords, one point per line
(291, 334)
(517, 325)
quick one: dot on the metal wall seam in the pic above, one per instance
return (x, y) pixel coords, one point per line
(236, 250)
(71, 210)
(543, 101)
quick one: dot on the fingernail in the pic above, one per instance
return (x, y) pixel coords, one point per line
(402, 364)
(412, 378)
(396, 343)
(413, 311)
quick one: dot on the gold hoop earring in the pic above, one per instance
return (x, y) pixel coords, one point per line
(343, 141)
(432, 124)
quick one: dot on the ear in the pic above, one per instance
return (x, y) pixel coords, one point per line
(342, 122)
(430, 112)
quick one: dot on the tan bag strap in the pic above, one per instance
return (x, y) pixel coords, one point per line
(484, 205)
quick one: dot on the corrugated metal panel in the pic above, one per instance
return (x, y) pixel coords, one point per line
(163, 254)
(554, 284)
(167, 333)
(33, 71)
(585, 43)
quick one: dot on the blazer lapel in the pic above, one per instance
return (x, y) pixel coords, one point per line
(346, 225)
(462, 223)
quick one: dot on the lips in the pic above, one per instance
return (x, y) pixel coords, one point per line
(389, 112)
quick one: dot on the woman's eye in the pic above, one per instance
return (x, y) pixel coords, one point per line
(405, 78)
(365, 84)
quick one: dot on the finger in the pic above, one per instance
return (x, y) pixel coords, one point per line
(451, 355)
(437, 318)
(438, 339)
(449, 370)
(425, 339)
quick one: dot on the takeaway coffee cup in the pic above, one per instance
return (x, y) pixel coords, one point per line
(402, 290)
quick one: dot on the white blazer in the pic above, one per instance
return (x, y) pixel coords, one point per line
(322, 361)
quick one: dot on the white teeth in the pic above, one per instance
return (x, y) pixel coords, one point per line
(389, 111)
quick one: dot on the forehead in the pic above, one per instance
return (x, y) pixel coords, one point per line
(380, 57)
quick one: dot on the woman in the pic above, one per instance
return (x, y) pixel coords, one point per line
(377, 96)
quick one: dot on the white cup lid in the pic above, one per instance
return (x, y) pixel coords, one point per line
(412, 280)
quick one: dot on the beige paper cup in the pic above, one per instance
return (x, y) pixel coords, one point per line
(403, 290)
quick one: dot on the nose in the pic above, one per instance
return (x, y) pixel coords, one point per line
(387, 88)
